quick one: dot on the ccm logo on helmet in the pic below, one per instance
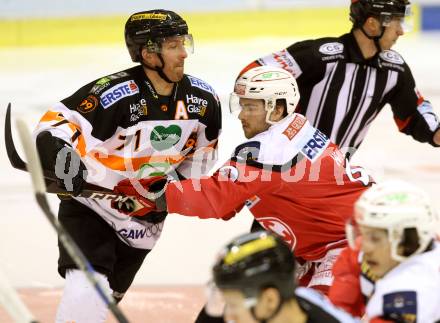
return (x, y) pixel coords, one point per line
(117, 92)
(331, 48)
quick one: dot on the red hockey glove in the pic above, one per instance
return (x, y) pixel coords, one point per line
(145, 195)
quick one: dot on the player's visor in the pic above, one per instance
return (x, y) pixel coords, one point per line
(178, 42)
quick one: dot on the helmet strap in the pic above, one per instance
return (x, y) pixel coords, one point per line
(160, 71)
(157, 69)
(375, 39)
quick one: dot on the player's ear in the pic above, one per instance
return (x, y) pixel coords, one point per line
(146, 56)
(280, 111)
(268, 302)
(372, 25)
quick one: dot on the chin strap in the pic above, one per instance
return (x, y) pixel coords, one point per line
(374, 38)
(157, 69)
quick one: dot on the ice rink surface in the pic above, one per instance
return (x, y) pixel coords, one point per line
(35, 78)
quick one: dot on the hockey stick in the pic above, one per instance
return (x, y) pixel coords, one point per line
(89, 191)
(13, 304)
(69, 244)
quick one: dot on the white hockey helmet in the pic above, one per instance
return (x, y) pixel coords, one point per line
(268, 83)
(395, 206)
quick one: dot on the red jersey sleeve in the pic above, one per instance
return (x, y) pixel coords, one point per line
(345, 291)
(218, 196)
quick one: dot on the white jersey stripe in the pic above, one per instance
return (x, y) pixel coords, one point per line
(319, 95)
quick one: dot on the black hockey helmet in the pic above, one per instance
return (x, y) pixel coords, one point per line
(384, 10)
(255, 261)
(148, 29)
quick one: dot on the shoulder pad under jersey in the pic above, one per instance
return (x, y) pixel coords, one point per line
(329, 49)
(392, 60)
(106, 82)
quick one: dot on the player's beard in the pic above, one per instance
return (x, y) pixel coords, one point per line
(177, 72)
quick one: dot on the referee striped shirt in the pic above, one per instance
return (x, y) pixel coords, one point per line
(342, 93)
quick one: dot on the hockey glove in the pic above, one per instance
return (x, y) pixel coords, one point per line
(146, 196)
(58, 156)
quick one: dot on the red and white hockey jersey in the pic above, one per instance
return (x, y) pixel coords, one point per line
(408, 293)
(292, 178)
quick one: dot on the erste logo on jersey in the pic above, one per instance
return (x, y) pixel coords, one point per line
(201, 84)
(331, 48)
(315, 146)
(280, 228)
(118, 92)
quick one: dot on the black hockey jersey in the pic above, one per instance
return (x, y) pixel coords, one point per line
(122, 128)
(316, 306)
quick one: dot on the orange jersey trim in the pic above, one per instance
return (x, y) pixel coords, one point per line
(118, 163)
(58, 116)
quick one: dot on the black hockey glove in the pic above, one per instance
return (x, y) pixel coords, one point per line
(59, 157)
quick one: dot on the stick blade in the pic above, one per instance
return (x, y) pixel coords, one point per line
(32, 157)
(13, 156)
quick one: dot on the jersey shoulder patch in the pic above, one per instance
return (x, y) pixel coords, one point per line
(400, 306)
(248, 151)
(392, 56)
(294, 126)
(105, 82)
(329, 49)
(198, 83)
(392, 60)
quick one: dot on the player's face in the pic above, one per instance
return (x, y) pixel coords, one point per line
(174, 54)
(252, 117)
(392, 32)
(235, 308)
(377, 250)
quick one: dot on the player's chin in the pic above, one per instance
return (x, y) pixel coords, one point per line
(248, 134)
(389, 45)
(178, 74)
(375, 268)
